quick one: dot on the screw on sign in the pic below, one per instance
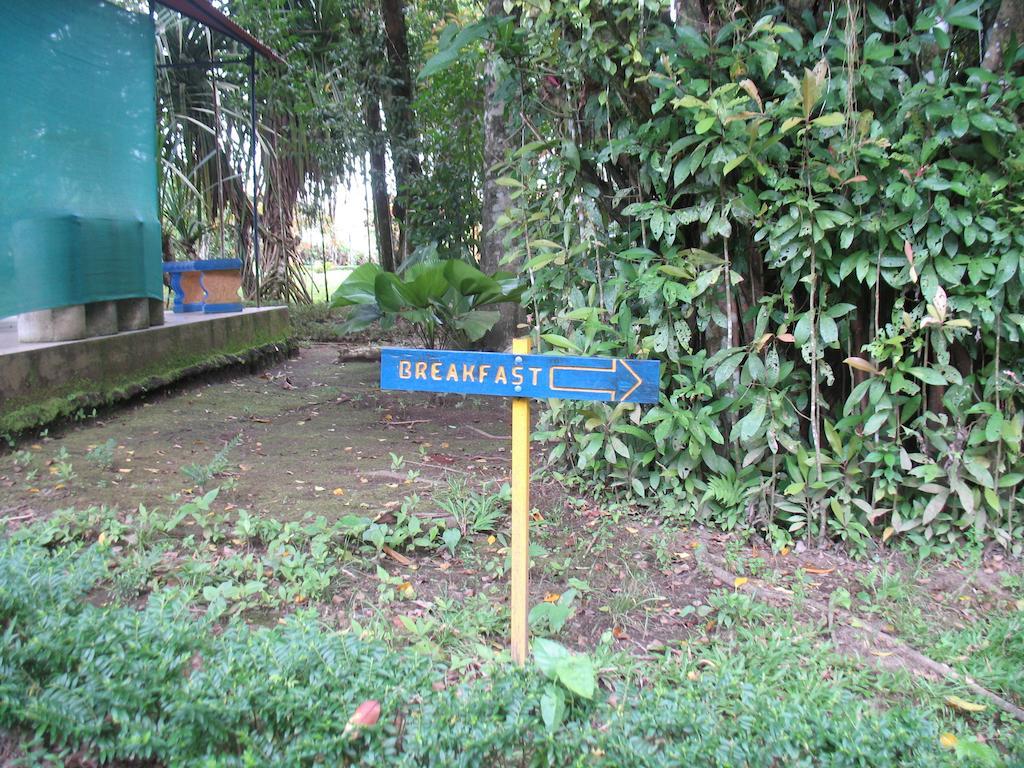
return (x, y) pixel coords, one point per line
(521, 376)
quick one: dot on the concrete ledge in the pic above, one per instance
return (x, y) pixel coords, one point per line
(42, 382)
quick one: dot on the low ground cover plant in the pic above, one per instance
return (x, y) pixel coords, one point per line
(157, 685)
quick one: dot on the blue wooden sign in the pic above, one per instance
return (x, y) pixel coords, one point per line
(511, 375)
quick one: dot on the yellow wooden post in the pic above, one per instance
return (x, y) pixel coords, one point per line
(520, 518)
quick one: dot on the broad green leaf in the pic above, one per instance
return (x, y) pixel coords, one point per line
(831, 120)
(928, 376)
(875, 422)
(547, 654)
(560, 341)
(789, 123)
(732, 164)
(576, 672)
(552, 707)
(477, 323)
(357, 288)
(879, 18)
(750, 424)
(468, 35)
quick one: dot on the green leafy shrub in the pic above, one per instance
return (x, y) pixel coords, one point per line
(814, 222)
(158, 685)
(445, 301)
(203, 474)
(103, 455)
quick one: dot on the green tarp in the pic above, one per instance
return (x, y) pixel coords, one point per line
(78, 168)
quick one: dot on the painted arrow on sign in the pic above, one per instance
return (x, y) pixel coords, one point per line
(510, 375)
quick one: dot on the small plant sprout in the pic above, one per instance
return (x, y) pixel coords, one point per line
(103, 455)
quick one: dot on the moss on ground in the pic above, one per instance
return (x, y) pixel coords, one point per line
(80, 395)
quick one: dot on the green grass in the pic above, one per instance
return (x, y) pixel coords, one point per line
(314, 281)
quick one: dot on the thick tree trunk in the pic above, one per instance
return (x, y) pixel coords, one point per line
(1009, 21)
(402, 133)
(379, 186)
(496, 198)
(279, 258)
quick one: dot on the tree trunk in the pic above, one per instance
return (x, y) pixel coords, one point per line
(280, 276)
(1009, 22)
(496, 198)
(402, 134)
(379, 185)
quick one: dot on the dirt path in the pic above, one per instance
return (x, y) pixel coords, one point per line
(306, 428)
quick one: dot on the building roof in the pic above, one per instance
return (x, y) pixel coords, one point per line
(205, 13)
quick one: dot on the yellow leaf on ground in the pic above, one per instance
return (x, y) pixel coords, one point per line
(739, 581)
(963, 705)
(491, 539)
(338, 491)
(551, 597)
(882, 654)
(948, 740)
(819, 571)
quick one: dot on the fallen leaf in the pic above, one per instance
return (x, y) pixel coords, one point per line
(784, 551)
(739, 581)
(551, 597)
(491, 539)
(124, 471)
(338, 491)
(618, 633)
(948, 740)
(882, 654)
(396, 556)
(818, 571)
(366, 714)
(300, 599)
(963, 705)
(693, 675)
